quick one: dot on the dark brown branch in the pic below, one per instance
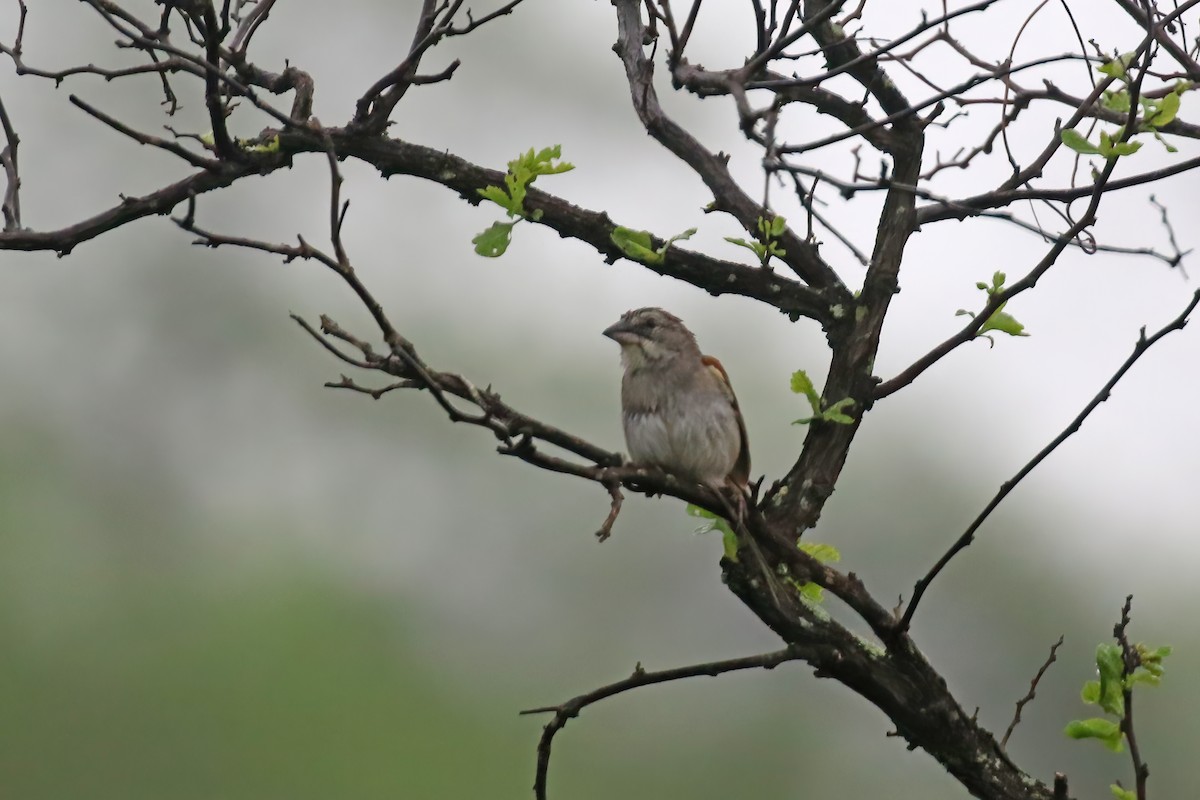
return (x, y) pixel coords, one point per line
(801, 256)
(811, 479)
(222, 141)
(1177, 259)
(174, 148)
(11, 205)
(64, 240)
(706, 83)
(393, 157)
(1143, 344)
(567, 711)
(434, 23)
(717, 277)
(1032, 693)
(1130, 661)
(865, 63)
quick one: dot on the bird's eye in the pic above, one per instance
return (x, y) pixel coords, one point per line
(650, 324)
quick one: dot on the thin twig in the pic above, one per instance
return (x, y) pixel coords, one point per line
(564, 712)
(1143, 344)
(1016, 720)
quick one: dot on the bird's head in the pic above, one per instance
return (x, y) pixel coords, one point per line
(650, 337)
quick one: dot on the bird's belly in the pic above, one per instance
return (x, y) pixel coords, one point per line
(703, 449)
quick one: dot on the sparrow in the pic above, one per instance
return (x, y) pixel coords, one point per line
(678, 408)
(680, 413)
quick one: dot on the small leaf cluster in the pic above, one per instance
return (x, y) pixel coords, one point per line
(826, 554)
(639, 245)
(248, 145)
(769, 231)
(1109, 691)
(716, 523)
(834, 412)
(522, 171)
(1156, 112)
(1000, 320)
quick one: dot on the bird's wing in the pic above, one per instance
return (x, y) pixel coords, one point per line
(740, 474)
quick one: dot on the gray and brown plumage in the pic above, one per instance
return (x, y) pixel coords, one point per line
(678, 407)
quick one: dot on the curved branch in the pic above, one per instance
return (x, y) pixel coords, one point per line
(564, 712)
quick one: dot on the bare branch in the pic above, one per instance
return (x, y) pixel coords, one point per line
(801, 256)
(1029, 696)
(567, 711)
(11, 205)
(142, 138)
(1143, 344)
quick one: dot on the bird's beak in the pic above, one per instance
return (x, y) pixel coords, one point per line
(620, 333)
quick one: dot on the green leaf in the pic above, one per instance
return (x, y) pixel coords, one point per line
(1111, 667)
(1156, 655)
(1000, 320)
(825, 553)
(1117, 67)
(689, 233)
(1109, 662)
(495, 240)
(1077, 142)
(528, 166)
(811, 592)
(730, 542)
(802, 384)
(1165, 110)
(1170, 147)
(759, 249)
(1091, 693)
(1115, 101)
(499, 197)
(635, 244)
(1122, 794)
(639, 245)
(1122, 149)
(1105, 730)
(834, 412)
(1151, 670)
(269, 146)
(716, 522)
(1003, 322)
(1142, 675)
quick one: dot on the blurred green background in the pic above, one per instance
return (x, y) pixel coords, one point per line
(220, 580)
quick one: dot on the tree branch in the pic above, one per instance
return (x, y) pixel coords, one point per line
(567, 711)
(1143, 344)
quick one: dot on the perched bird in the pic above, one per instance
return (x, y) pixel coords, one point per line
(678, 408)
